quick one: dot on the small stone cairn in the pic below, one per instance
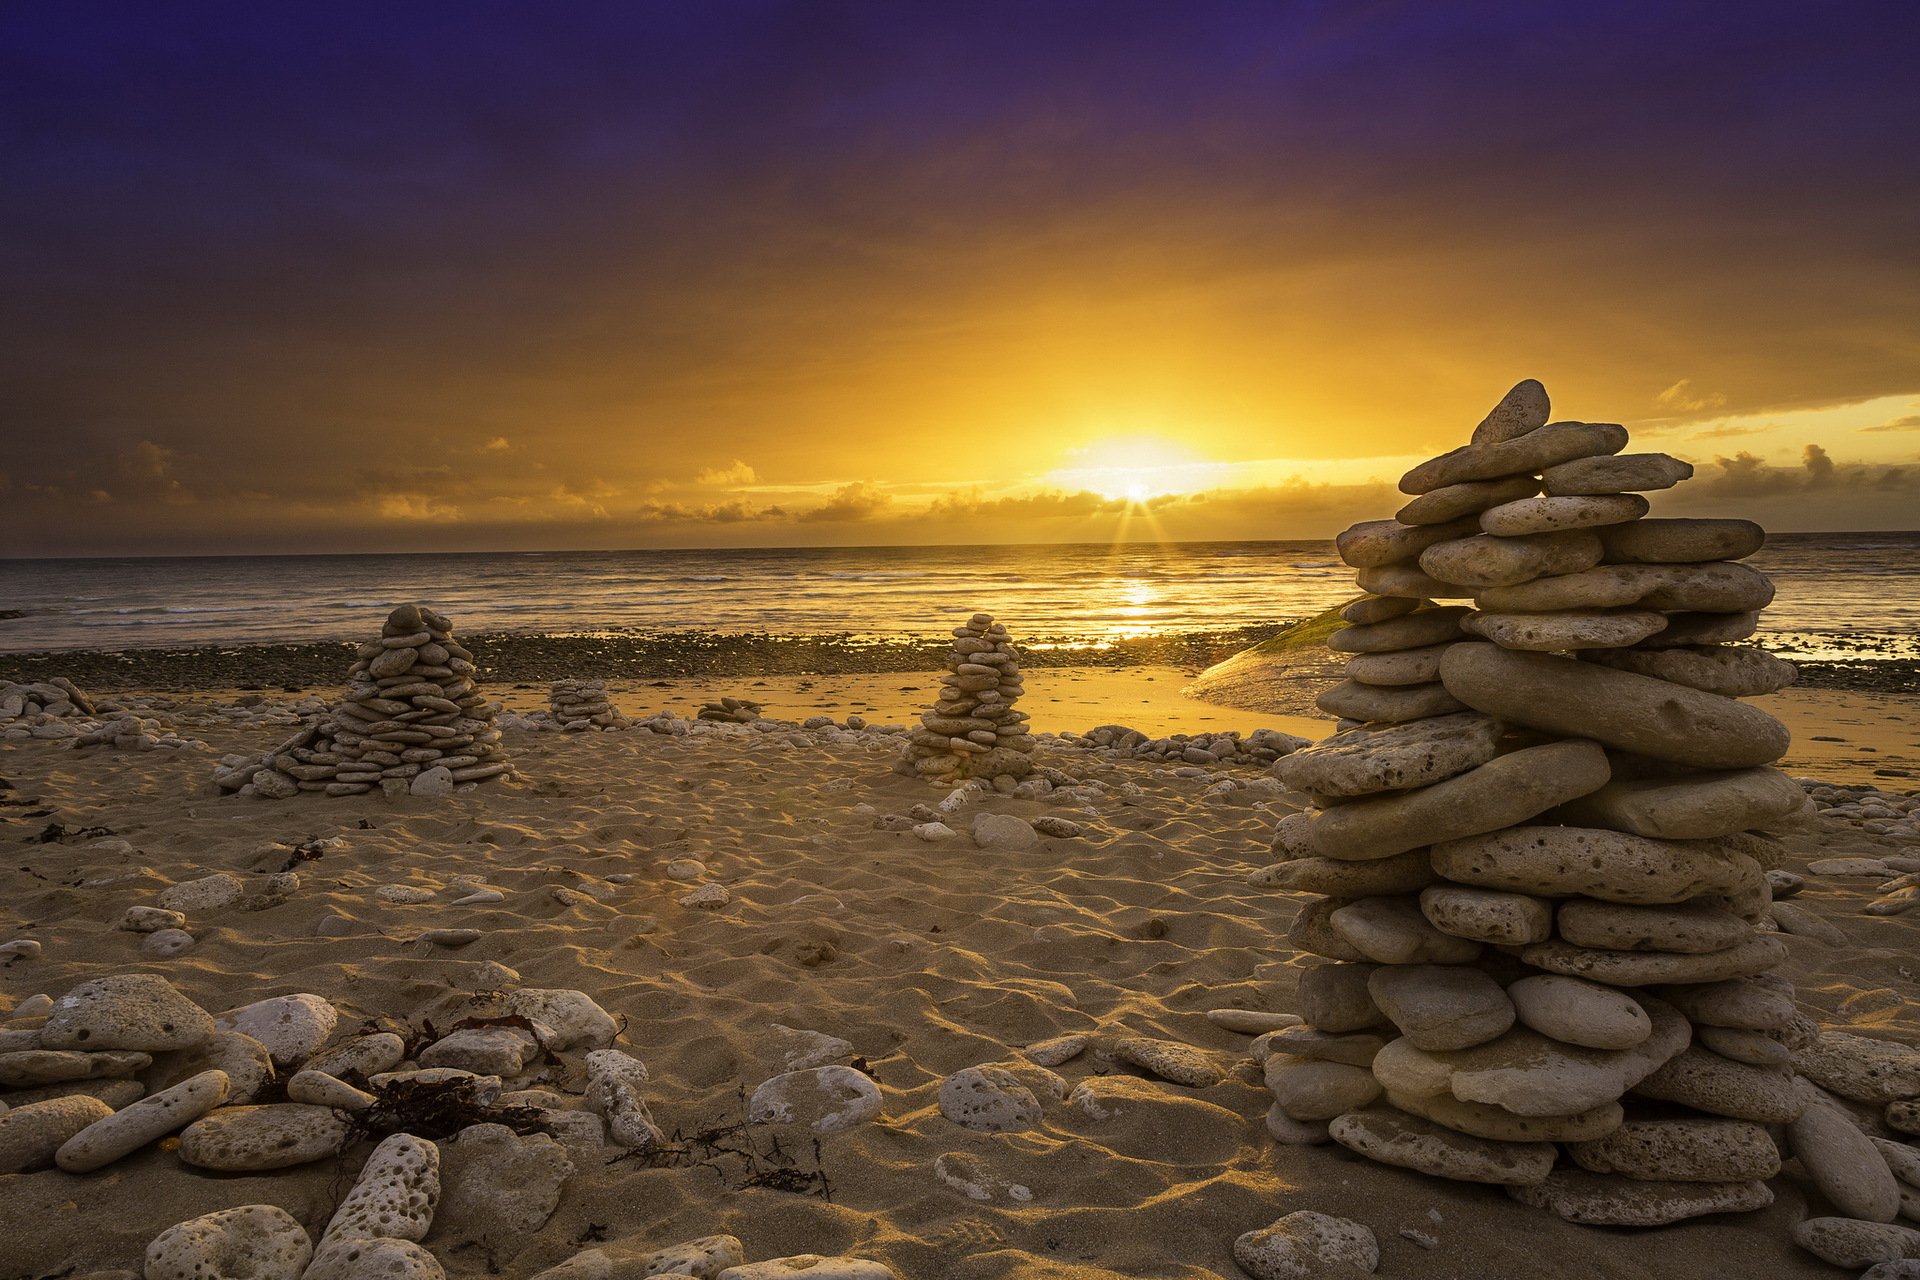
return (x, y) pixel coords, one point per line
(580, 705)
(43, 708)
(412, 720)
(729, 711)
(1538, 855)
(973, 730)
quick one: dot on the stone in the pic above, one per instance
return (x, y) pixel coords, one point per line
(1379, 608)
(208, 893)
(361, 1057)
(166, 943)
(826, 1099)
(1552, 514)
(251, 1242)
(1373, 544)
(1413, 630)
(1750, 1047)
(1353, 1049)
(1442, 1006)
(1600, 1200)
(573, 1017)
(376, 1259)
(1608, 865)
(250, 1139)
(988, 1099)
(1844, 1164)
(1732, 671)
(394, 1196)
(1546, 446)
(1847, 1242)
(318, 1089)
(1506, 790)
(497, 1187)
(1406, 872)
(1457, 500)
(1568, 629)
(1861, 1068)
(1707, 1082)
(1004, 831)
(1252, 1021)
(1169, 1060)
(1406, 667)
(28, 1067)
(1682, 541)
(1758, 954)
(1310, 1089)
(1365, 703)
(151, 920)
(1721, 588)
(1689, 807)
(810, 1266)
(1634, 713)
(1366, 761)
(291, 1027)
(1485, 915)
(1682, 1150)
(613, 1091)
(497, 1051)
(1577, 1012)
(1482, 1120)
(1311, 930)
(138, 1011)
(1691, 630)
(1407, 580)
(1393, 931)
(1334, 997)
(433, 783)
(31, 1134)
(1396, 1138)
(1685, 927)
(148, 1120)
(1621, 473)
(1746, 1003)
(1487, 561)
(1523, 409)
(1305, 1245)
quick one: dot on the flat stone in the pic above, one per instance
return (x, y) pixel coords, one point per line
(318, 1089)
(487, 1051)
(1621, 473)
(1004, 831)
(1365, 761)
(1861, 1068)
(1631, 712)
(393, 1198)
(1682, 1150)
(139, 1011)
(1758, 954)
(1457, 500)
(377, 1259)
(208, 893)
(1844, 1164)
(1396, 1138)
(1352, 1049)
(1850, 1243)
(1482, 1120)
(1546, 446)
(31, 1134)
(1374, 543)
(1558, 862)
(1485, 915)
(1413, 630)
(291, 1027)
(1407, 580)
(1306, 1245)
(148, 1120)
(251, 1242)
(1566, 629)
(497, 1188)
(574, 1019)
(1405, 667)
(1717, 588)
(1551, 514)
(1751, 1047)
(1732, 671)
(249, 1139)
(1682, 541)
(826, 1099)
(1334, 997)
(1599, 1200)
(1689, 807)
(990, 1100)
(1686, 927)
(1903, 1160)
(1392, 931)
(1707, 1082)
(1311, 930)
(1407, 872)
(1752, 1004)
(1486, 561)
(1316, 1089)
(1506, 790)
(362, 1057)
(1690, 630)
(1442, 1006)
(1352, 700)
(1380, 608)
(810, 1266)
(29, 1067)
(1577, 1012)
(1168, 1059)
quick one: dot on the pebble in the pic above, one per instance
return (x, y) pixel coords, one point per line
(497, 1187)
(1442, 1006)
(810, 1266)
(394, 1196)
(1600, 1200)
(208, 893)
(1248, 1021)
(1682, 1150)
(151, 1118)
(1307, 1246)
(826, 1099)
(1844, 1164)
(151, 920)
(1393, 1137)
(318, 1089)
(988, 1099)
(1846, 1242)
(710, 897)
(255, 1241)
(1168, 1059)
(572, 1017)
(379, 1259)
(252, 1138)
(167, 943)
(613, 1091)
(1053, 1052)
(1004, 831)
(31, 1134)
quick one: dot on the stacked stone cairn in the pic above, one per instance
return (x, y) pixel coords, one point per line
(1538, 850)
(579, 705)
(730, 711)
(973, 731)
(42, 708)
(413, 719)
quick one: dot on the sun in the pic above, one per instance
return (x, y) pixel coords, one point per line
(1133, 469)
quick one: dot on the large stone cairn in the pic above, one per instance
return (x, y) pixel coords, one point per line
(412, 720)
(973, 731)
(1537, 844)
(584, 704)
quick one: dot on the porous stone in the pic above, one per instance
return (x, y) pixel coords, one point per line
(1366, 761)
(1458, 500)
(1850, 1243)
(1306, 1245)
(138, 1011)
(1682, 541)
(1547, 446)
(251, 1242)
(1689, 807)
(1724, 588)
(1366, 703)
(1861, 1068)
(826, 1099)
(361, 1057)
(1621, 473)
(1487, 561)
(1442, 1006)
(31, 1134)
(1707, 1082)
(1607, 865)
(1551, 514)
(498, 1187)
(1004, 831)
(1682, 1150)
(1396, 1138)
(989, 1099)
(208, 893)
(291, 1027)
(1483, 1120)
(394, 1196)
(1168, 1059)
(1732, 671)
(249, 1139)
(1844, 1164)
(1577, 1012)
(1686, 927)
(151, 1118)
(810, 1266)
(574, 1018)
(1748, 1003)
(1600, 1200)
(377, 1259)
(317, 1088)
(1759, 953)
(1567, 629)
(613, 1091)
(1485, 915)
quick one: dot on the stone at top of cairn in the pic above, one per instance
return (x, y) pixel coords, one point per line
(1544, 806)
(412, 719)
(973, 730)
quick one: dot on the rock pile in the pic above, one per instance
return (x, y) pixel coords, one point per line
(584, 704)
(1259, 749)
(135, 733)
(412, 719)
(973, 731)
(42, 709)
(1538, 854)
(730, 711)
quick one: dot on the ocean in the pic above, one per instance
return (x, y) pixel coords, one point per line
(1851, 595)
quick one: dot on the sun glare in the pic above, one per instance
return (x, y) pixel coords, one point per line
(1133, 469)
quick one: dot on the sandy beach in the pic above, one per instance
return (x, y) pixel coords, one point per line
(923, 956)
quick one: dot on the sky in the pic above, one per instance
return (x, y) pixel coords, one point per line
(436, 276)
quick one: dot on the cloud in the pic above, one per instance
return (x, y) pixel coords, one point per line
(971, 504)
(861, 500)
(737, 474)
(1746, 476)
(499, 444)
(1911, 423)
(1728, 431)
(1682, 398)
(414, 507)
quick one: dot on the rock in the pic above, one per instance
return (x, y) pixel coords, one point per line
(1522, 410)
(1169, 1060)
(1844, 1164)
(1682, 1150)
(1861, 1068)
(1482, 1120)
(1687, 927)
(1393, 931)
(1004, 831)
(988, 1099)
(1485, 915)
(378, 1259)
(28, 1067)
(1621, 473)
(1251, 1021)
(1307, 1246)
(1393, 1137)
(1334, 997)
(1547, 446)
(31, 1134)
(1707, 1082)
(1354, 1049)
(1707, 590)
(573, 1016)
(1691, 807)
(1630, 712)
(151, 920)
(1682, 541)
(1507, 790)
(498, 1051)
(1747, 1003)
(151, 1118)
(1732, 671)
(1903, 1161)
(1368, 760)
(1458, 500)
(1845, 1242)
(1376, 543)
(1577, 1012)
(1409, 631)
(1750, 1047)
(291, 1027)
(1568, 629)
(1402, 873)
(810, 1266)
(1486, 561)
(1594, 1199)
(432, 783)
(826, 1099)
(613, 1091)
(1352, 700)
(208, 893)
(167, 943)
(1442, 1006)
(1609, 865)
(1309, 1089)
(1548, 514)
(708, 896)
(1758, 954)
(361, 1057)
(393, 1198)
(497, 1187)
(138, 1011)
(249, 1139)
(1053, 1052)
(251, 1242)
(1409, 666)
(318, 1089)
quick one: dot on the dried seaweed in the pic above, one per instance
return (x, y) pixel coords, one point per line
(60, 831)
(438, 1110)
(733, 1150)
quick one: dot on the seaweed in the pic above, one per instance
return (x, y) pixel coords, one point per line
(439, 1110)
(718, 1145)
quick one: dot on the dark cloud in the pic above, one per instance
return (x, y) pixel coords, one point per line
(1746, 476)
(860, 500)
